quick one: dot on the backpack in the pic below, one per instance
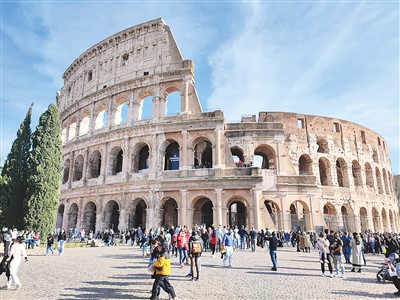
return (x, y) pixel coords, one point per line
(196, 248)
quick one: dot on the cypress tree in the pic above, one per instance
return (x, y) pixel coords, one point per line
(45, 171)
(14, 174)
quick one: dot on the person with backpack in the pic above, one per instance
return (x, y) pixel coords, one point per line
(195, 250)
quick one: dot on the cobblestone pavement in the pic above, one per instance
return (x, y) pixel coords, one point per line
(119, 272)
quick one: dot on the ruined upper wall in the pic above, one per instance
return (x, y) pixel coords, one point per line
(142, 50)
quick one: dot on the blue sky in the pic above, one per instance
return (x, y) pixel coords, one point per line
(338, 59)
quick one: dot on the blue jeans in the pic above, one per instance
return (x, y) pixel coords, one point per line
(253, 245)
(274, 258)
(182, 255)
(61, 244)
(347, 253)
(49, 248)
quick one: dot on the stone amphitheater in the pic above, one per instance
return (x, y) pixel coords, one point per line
(138, 150)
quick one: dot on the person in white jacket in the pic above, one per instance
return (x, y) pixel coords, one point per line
(17, 250)
(324, 256)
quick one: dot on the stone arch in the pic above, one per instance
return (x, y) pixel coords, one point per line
(169, 213)
(385, 221)
(101, 117)
(145, 106)
(330, 216)
(268, 156)
(67, 165)
(89, 217)
(274, 215)
(78, 168)
(391, 220)
(305, 165)
(137, 213)
(376, 219)
(237, 155)
(203, 157)
(60, 216)
(115, 161)
(341, 172)
(171, 155)
(203, 211)
(111, 215)
(121, 112)
(348, 218)
(379, 180)
(95, 164)
(85, 123)
(369, 179)
(72, 216)
(385, 181)
(325, 175)
(173, 101)
(364, 219)
(300, 216)
(238, 212)
(356, 172)
(375, 156)
(322, 145)
(72, 129)
(64, 133)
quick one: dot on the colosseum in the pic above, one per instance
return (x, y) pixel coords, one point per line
(130, 159)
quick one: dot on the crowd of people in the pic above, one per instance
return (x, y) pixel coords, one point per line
(335, 249)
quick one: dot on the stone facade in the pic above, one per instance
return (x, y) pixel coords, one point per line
(129, 161)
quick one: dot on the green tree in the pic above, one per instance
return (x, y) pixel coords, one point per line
(13, 183)
(45, 171)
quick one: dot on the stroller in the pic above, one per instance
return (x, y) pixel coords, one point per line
(385, 273)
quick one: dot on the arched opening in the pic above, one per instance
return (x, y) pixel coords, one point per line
(203, 154)
(89, 217)
(84, 124)
(140, 214)
(143, 165)
(322, 146)
(72, 129)
(78, 168)
(348, 217)
(237, 155)
(170, 213)
(101, 118)
(237, 214)
(146, 108)
(95, 164)
(273, 214)
(60, 216)
(356, 171)
(364, 219)
(375, 156)
(111, 215)
(67, 164)
(64, 134)
(172, 157)
(385, 221)
(173, 106)
(116, 161)
(392, 224)
(379, 180)
(203, 212)
(72, 216)
(305, 165)
(266, 155)
(324, 171)
(341, 172)
(330, 217)
(299, 216)
(121, 113)
(369, 180)
(385, 181)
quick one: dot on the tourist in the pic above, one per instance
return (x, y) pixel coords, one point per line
(356, 257)
(273, 248)
(213, 241)
(324, 257)
(62, 237)
(6, 241)
(346, 238)
(195, 250)
(243, 238)
(180, 244)
(162, 271)
(17, 250)
(227, 241)
(336, 250)
(50, 242)
(253, 238)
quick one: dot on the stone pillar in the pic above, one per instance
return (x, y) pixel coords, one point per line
(92, 122)
(130, 116)
(184, 152)
(257, 194)
(104, 162)
(71, 169)
(80, 214)
(217, 211)
(182, 208)
(125, 162)
(185, 98)
(122, 220)
(217, 155)
(110, 114)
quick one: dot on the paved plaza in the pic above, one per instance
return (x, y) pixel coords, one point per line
(120, 272)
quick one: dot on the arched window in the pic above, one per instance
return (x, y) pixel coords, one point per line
(101, 118)
(356, 171)
(95, 164)
(72, 129)
(78, 168)
(305, 165)
(172, 157)
(322, 146)
(144, 159)
(121, 113)
(369, 180)
(237, 155)
(146, 108)
(203, 154)
(116, 161)
(84, 124)
(264, 157)
(173, 103)
(67, 164)
(324, 172)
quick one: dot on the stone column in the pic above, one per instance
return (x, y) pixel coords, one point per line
(217, 212)
(217, 159)
(257, 194)
(80, 214)
(185, 97)
(182, 208)
(122, 220)
(183, 152)
(131, 107)
(92, 122)
(71, 169)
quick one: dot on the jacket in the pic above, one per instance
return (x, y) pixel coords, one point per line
(163, 264)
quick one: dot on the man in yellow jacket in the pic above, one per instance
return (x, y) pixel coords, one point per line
(163, 269)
